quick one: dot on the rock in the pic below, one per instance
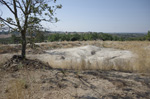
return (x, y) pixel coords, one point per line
(93, 52)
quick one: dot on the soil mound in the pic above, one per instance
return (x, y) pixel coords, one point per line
(88, 57)
(35, 51)
(17, 63)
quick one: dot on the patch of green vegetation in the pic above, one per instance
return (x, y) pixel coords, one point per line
(42, 36)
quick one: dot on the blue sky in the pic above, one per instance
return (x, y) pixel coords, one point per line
(101, 16)
(104, 16)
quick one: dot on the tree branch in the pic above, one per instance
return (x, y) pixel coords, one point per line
(3, 2)
(16, 15)
(8, 21)
(24, 4)
(20, 6)
(27, 12)
(8, 25)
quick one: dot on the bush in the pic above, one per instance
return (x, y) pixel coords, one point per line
(80, 37)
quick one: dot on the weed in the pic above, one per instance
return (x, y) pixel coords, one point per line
(20, 66)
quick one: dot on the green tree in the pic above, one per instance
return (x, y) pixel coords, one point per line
(23, 10)
(75, 37)
(34, 30)
(148, 36)
(39, 37)
(13, 38)
(54, 37)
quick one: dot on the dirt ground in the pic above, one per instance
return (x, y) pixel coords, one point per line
(73, 84)
(31, 79)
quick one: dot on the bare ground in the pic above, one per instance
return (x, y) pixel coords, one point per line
(73, 84)
(36, 82)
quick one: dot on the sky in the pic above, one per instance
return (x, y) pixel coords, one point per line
(102, 16)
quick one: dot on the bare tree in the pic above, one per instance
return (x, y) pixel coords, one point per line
(23, 11)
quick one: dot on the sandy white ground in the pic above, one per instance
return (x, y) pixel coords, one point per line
(76, 84)
(90, 56)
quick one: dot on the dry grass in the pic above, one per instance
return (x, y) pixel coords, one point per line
(140, 48)
(21, 88)
(17, 89)
(119, 64)
(4, 58)
(9, 49)
(24, 88)
(141, 62)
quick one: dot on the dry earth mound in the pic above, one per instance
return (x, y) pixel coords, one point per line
(87, 57)
(16, 63)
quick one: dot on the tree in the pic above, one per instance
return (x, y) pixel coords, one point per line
(39, 37)
(35, 27)
(13, 38)
(148, 36)
(23, 10)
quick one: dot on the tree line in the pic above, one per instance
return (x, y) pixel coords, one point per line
(81, 37)
(41, 37)
(95, 36)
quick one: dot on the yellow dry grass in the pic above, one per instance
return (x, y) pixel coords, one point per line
(141, 49)
(21, 88)
(141, 62)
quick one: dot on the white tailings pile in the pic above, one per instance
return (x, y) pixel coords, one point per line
(87, 57)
